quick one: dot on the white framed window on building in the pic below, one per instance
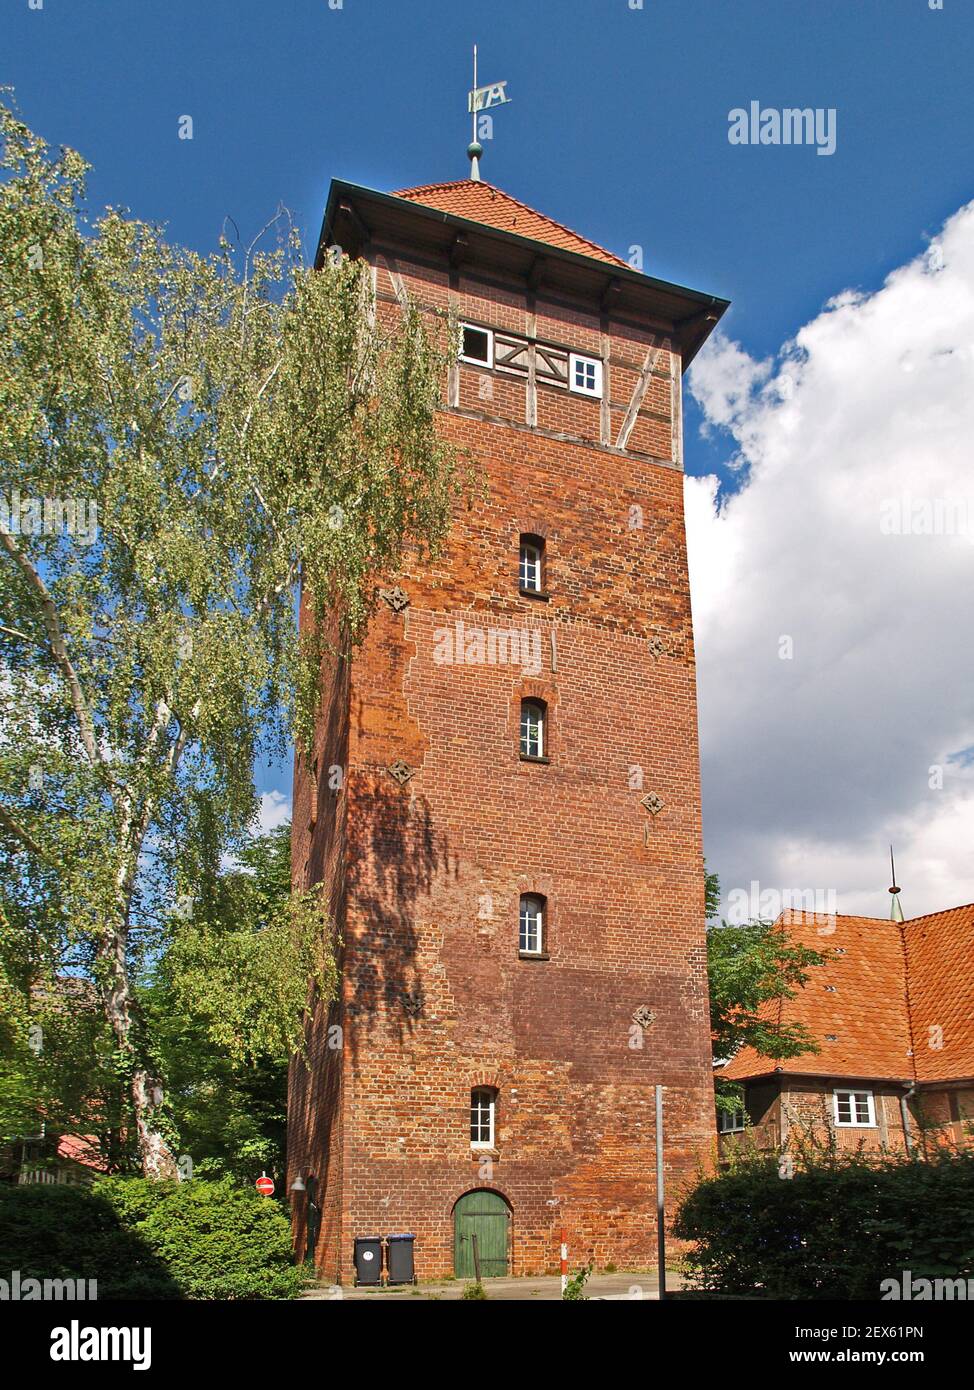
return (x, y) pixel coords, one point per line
(855, 1109)
(483, 1108)
(532, 729)
(531, 565)
(730, 1121)
(530, 939)
(476, 345)
(584, 375)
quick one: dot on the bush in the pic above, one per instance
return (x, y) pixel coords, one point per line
(140, 1239)
(574, 1290)
(836, 1229)
(50, 1232)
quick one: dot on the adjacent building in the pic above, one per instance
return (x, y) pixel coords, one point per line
(892, 1012)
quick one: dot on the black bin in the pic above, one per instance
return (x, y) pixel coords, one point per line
(399, 1259)
(368, 1260)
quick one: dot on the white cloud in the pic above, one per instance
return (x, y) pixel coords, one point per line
(275, 809)
(812, 765)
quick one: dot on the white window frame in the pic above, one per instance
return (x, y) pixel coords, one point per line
(532, 708)
(737, 1119)
(478, 361)
(537, 901)
(537, 564)
(854, 1122)
(574, 358)
(477, 1108)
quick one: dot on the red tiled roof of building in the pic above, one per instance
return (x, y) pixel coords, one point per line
(858, 997)
(940, 973)
(476, 201)
(81, 1148)
(871, 1007)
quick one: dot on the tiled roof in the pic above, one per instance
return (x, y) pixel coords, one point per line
(940, 973)
(81, 1148)
(890, 986)
(482, 202)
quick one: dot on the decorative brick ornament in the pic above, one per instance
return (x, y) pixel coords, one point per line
(657, 646)
(653, 803)
(400, 772)
(396, 598)
(644, 1016)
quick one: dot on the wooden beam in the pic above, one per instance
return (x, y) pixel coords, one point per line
(639, 391)
(392, 270)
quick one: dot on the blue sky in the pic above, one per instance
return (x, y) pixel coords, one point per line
(618, 124)
(618, 127)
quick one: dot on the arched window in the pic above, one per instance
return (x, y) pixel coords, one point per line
(531, 572)
(532, 729)
(531, 927)
(483, 1109)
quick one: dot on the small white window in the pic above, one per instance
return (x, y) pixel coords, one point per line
(855, 1108)
(531, 926)
(532, 565)
(532, 729)
(585, 375)
(477, 345)
(731, 1121)
(482, 1104)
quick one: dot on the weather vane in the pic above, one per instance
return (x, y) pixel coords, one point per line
(478, 101)
(896, 910)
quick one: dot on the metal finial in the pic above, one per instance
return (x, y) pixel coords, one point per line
(474, 149)
(896, 910)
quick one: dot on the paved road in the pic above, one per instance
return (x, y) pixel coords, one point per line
(544, 1289)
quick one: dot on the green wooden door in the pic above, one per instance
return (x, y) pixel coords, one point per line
(484, 1216)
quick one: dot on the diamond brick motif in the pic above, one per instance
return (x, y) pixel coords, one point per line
(653, 803)
(396, 598)
(400, 771)
(644, 1016)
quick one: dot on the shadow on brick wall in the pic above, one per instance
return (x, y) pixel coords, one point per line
(393, 855)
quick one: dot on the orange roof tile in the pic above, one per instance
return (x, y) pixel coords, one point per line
(901, 1003)
(858, 997)
(940, 974)
(482, 202)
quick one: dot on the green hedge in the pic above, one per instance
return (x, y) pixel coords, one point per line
(836, 1229)
(140, 1239)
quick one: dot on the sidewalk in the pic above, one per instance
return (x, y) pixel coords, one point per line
(544, 1289)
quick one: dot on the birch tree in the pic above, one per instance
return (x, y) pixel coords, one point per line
(182, 437)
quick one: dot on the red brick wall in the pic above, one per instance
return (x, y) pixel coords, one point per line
(425, 878)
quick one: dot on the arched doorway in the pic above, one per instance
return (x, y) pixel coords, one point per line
(480, 1218)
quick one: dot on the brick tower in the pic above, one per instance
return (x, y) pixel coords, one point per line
(514, 858)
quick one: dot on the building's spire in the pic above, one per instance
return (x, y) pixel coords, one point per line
(896, 908)
(475, 149)
(477, 101)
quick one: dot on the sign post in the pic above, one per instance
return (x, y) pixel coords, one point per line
(660, 1196)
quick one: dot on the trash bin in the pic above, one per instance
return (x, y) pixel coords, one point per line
(399, 1259)
(368, 1260)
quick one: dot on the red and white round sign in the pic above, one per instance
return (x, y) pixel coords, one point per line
(265, 1186)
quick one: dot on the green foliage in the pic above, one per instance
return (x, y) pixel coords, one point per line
(52, 1232)
(139, 1239)
(835, 1230)
(575, 1284)
(201, 431)
(474, 1291)
(227, 1093)
(751, 965)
